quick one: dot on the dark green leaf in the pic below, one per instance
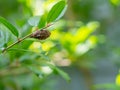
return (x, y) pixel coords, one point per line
(9, 26)
(57, 11)
(42, 21)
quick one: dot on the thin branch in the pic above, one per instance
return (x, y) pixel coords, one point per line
(20, 40)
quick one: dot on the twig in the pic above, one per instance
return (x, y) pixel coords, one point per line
(20, 40)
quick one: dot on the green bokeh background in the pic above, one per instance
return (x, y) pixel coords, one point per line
(84, 43)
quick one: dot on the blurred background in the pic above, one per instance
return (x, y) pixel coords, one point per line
(84, 43)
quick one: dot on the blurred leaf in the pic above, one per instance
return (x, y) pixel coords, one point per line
(3, 60)
(57, 11)
(5, 36)
(37, 71)
(85, 31)
(115, 2)
(33, 21)
(9, 26)
(118, 80)
(2, 40)
(60, 72)
(44, 57)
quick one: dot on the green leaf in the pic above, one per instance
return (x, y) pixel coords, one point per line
(36, 71)
(2, 39)
(33, 21)
(9, 26)
(57, 11)
(42, 21)
(39, 21)
(60, 72)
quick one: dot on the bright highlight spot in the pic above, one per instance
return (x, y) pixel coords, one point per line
(115, 2)
(48, 4)
(47, 45)
(93, 41)
(46, 69)
(35, 46)
(118, 80)
(84, 31)
(82, 48)
(38, 7)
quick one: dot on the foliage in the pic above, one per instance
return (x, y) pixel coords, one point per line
(85, 38)
(9, 26)
(22, 56)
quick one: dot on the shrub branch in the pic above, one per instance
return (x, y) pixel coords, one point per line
(22, 39)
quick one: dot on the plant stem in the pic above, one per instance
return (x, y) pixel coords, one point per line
(20, 40)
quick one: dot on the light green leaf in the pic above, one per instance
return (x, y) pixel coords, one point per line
(39, 21)
(36, 71)
(5, 36)
(33, 21)
(9, 26)
(2, 39)
(57, 11)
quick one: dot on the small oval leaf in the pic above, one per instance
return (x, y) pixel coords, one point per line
(9, 26)
(57, 11)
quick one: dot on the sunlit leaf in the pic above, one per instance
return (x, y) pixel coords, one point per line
(9, 26)
(57, 11)
(118, 80)
(115, 2)
(84, 32)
